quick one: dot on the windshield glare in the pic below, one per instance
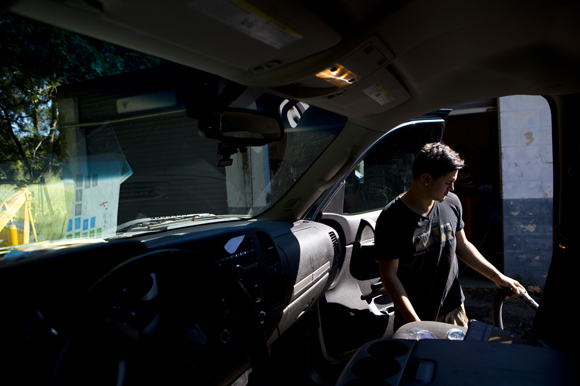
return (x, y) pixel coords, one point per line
(94, 136)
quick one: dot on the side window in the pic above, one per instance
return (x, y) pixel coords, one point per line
(386, 170)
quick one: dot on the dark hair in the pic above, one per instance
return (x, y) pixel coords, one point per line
(437, 159)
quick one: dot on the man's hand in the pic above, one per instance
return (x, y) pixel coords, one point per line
(502, 281)
(471, 256)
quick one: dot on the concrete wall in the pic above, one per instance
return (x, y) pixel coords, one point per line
(527, 186)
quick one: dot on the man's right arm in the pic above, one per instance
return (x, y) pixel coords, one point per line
(388, 269)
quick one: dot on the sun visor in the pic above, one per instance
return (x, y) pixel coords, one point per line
(257, 36)
(254, 35)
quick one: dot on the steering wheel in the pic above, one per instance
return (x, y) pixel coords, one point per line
(126, 333)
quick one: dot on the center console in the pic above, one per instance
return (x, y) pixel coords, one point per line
(455, 362)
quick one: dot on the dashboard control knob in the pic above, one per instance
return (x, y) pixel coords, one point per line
(240, 271)
(225, 336)
(257, 293)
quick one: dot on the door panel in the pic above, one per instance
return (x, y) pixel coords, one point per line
(356, 308)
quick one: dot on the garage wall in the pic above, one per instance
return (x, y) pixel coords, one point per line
(527, 186)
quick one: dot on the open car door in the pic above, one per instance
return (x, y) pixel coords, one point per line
(356, 308)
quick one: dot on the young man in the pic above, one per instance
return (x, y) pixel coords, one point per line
(418, 236)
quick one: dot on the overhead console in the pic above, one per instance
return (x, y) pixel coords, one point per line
(363, 72)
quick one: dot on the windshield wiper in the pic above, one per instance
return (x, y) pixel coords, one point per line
(159, 223)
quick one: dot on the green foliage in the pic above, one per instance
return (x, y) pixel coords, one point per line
(50, 207)
(48, 56)
(34, 60)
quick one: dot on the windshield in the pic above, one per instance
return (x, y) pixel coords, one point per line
(97, 139)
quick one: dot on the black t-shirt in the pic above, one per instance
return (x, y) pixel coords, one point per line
(425, 247)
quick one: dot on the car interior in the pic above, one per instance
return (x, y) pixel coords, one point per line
(203, 288)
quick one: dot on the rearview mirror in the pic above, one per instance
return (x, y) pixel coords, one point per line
(241, 127)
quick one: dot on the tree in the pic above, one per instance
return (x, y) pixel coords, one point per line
(35, 59)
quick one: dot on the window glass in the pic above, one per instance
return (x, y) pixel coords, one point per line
(386, 170)
(98, 141)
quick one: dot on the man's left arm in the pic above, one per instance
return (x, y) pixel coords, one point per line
(467, 252)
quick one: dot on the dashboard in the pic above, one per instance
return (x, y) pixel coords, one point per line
(207, 294)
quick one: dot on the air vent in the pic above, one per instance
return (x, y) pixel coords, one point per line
(334, 244)
(268, 249)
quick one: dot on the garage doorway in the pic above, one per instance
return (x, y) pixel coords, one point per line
(473, 131)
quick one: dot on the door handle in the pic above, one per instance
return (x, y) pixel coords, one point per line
(376, 286)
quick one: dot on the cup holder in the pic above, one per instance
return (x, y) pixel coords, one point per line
(371, 369)
(380, 363)
(386, 349)
(360, 382)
